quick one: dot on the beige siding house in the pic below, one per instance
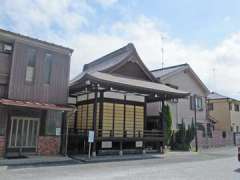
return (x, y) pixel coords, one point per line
(225, 111)
(182, 77)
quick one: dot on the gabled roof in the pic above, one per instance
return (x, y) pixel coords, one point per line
(131, 84)
(164, 73)
(13, 35)
(103, 72)
(214, 95)
(114, 60)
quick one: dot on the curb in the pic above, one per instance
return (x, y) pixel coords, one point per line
(3, 168)
(102, 160)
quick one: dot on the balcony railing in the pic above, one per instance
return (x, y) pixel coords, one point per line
(102, 133)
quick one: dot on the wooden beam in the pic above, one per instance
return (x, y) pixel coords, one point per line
(95, 119)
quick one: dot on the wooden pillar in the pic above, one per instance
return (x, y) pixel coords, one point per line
(163, 126)
(113, 120)
(134, 123)
(100, 125)
(124, 115)
(145, 123)
(95, 120)
(75, 120)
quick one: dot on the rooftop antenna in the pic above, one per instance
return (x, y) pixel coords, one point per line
(214, 79)
(162, 38)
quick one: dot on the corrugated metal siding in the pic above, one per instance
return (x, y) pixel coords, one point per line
(3, 91)
(3, 121)
(56, 92)
(5, 64)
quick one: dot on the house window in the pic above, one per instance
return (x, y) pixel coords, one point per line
(31, 62)
(230, 106)
(47, 68)
(192, 107)
(210, 106)
(196, 101)
(237, 128)
(224, 134)
(6, 48)
(236, 107)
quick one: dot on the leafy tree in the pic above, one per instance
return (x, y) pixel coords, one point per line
(168, 120)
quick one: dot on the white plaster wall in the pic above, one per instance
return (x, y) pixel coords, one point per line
(181, 110)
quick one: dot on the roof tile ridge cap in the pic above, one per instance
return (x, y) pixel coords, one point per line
(109, 55)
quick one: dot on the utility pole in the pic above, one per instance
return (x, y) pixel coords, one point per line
(195, 121)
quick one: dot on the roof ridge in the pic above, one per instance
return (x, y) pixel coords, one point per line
(128, 47)
(34, 39)
(170, 67)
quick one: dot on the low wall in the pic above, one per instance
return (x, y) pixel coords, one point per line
(2, 145)
(216, 140)
(48, 145)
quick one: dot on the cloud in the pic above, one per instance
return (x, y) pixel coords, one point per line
(106, 3)
(147, 37)
(64, 23)
(227, 19)
(44, 17)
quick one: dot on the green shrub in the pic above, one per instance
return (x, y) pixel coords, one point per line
(182, 139)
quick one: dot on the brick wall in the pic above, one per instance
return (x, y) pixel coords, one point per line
(48, 145)
(2, 146)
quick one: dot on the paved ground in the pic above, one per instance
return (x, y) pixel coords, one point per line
(217, 164)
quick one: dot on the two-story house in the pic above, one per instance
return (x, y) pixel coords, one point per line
(34, 77)
(183, 77)
(225, 111)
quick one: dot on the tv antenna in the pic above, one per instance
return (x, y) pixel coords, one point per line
(162, 49)
(214, 79)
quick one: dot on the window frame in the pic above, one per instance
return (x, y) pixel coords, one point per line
(210, 107)
(29, 64)
(236, 107)
(49, 62)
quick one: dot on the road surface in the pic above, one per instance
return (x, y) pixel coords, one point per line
(217, 164)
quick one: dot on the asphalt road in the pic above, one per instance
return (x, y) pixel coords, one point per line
(216, 164)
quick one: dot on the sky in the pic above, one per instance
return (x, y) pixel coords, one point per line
(204, 34)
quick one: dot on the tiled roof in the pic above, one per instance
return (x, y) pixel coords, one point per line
(158, 73)
(106, 61)
(214, 95)
(113, 59)
(38, 105)
(164, 73)
(135, 84)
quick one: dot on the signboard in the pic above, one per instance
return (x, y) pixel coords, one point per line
(237, 139)
(139, 144)
(106, 144)
(90, 136)
(58, 131)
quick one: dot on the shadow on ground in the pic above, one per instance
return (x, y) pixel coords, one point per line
(237, 170)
